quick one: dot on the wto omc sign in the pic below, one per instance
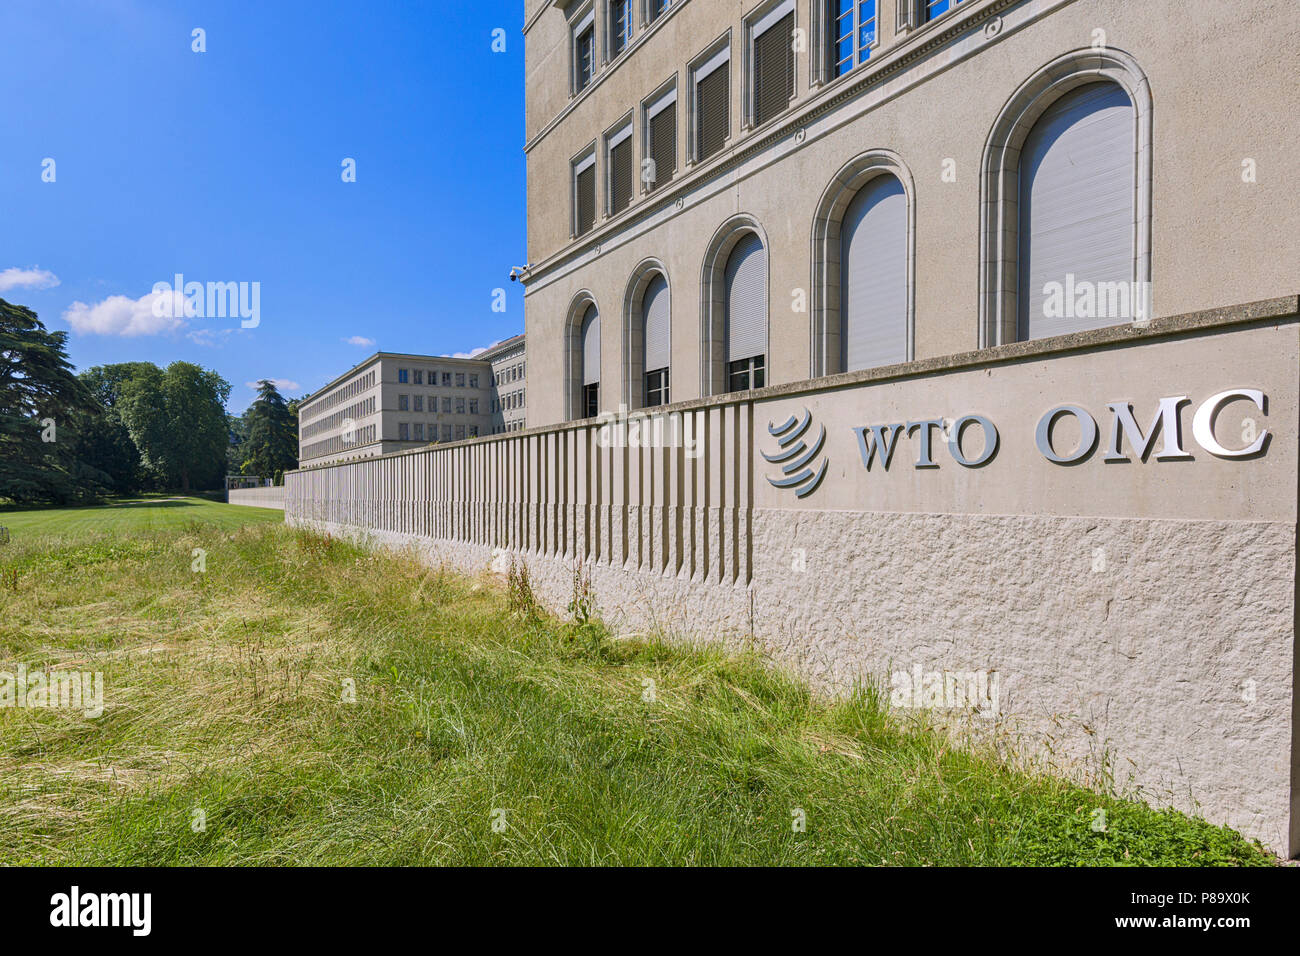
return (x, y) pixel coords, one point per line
(972, 440)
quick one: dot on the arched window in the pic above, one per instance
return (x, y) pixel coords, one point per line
(657, 322)
(1076, 211)
(647, 336)
(590, 363)
(1065, 219)
(745, 318)
(864, 266)
(873, 276)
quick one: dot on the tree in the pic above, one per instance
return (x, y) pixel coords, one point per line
(272, 446)
(38, 394)
(103, 446)
(177, 419)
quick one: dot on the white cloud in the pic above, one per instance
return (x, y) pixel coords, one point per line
(119, 315)
(466, 354)
(360, 340)
(33, 278)
(281, 384)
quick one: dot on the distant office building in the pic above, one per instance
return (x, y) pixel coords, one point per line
(509, 370)
(394, 401)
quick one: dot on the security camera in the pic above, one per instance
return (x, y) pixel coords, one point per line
(517, 273)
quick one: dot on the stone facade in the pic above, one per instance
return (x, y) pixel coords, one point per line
(1214, 94)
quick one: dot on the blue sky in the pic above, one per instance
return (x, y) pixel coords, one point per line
(226, 166)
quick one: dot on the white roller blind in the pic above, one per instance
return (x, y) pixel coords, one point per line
(873, 276)
(746, 303)
(1077, 196)
(658, 325)
(591, 346)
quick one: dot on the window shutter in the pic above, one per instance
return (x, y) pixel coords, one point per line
(1077, 204)
(586, 188)
(591, 347)
(873, 276)
(620, 159)
(655, 312)
(773, 69)
(714, 111)
(663, 144)
(746, 316)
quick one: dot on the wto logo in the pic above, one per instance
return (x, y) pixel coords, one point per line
(796, 454)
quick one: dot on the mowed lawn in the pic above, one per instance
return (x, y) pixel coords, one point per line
(134, 514)
(304, 701)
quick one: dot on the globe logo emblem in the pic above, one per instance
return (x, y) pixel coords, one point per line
(796, 455)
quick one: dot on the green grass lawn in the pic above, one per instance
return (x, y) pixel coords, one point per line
(128, 515)
(306, 702)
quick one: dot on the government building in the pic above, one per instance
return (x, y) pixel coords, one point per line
(393, 401)
(724, 195)
(910, 340)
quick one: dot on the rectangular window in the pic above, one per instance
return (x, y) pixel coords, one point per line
(446, 406)
(661, 140)
(618, 168)
(446, 378)
(403, 403)
(584, 194)
(656, 388)
(591, 400)
(460, 406)
(473, 381)
(446, 433)
(473, 406)
(934, 8)
(655, 7)
(584, 51)
(403, 431)
(619, 26)
(419, 403)
(712, 108)
(473, 431)
(403, 375)
(460, 432)
(419, 431)
(746, 374)
(460, 379)
(772, 62)
(852, 33)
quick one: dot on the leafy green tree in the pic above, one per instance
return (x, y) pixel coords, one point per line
(103, 446)
(272, 446)
(39, 394)
(177, 419)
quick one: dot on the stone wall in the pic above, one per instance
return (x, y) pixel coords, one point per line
(1135, 616)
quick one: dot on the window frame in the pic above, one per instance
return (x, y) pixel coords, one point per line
(663, 98)
(585, 159)
(716, 56)
(767, 15)
(828, 42)
(755, 366)
(583, 19)
(662, 386)
(616, 135)
(610, 53)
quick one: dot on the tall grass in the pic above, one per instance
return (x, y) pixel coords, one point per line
(306, 702)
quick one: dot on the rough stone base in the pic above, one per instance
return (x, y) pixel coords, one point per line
(1153, 655)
